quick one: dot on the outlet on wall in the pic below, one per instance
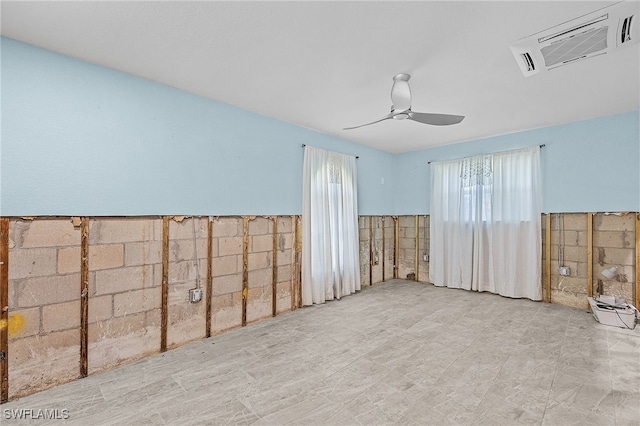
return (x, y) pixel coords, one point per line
(565, 271)
(195, 295)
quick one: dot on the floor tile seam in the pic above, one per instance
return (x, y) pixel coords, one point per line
(493, 382)
(614, 396)
(555, 371)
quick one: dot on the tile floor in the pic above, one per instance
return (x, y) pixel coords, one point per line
(396, 353)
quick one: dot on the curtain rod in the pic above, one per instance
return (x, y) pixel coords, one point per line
(303, 145)
(541, 146)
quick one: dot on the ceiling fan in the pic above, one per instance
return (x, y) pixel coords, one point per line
(401, 107)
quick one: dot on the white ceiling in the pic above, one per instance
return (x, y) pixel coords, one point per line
(329, 65)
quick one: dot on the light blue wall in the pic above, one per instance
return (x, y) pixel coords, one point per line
(80, 139)
(587, 166)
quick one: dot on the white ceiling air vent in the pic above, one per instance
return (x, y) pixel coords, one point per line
(598, 33)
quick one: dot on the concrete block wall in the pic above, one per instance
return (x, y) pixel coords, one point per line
(125, 276)
(376, 248)
(613, 245)
(363, 234)
(44, 290)
(373, 248)
(284, 263)
(125, 280)
(125, 289)
(187, 270)
(389, 246)
(226, 293)
(614, 239)
(569, 290)
(406, 247)
(423, 248)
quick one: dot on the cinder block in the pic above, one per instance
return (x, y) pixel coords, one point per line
(259, 278)
(111, 351)
(407, 221)
(131, 324)
(47, 290)
(183, 250)
(259, 305)
(285, 257)
(284, 273)
(229, 246)
(36, 262)
(575, 285)
(260, 226)
(123, 279)
(100, 308)
(50, 233)
(143, 253)
(602, 222)
(614, 239)
(619, 256)
(106, 231)
(23, 323)
(59, 352)
(227, 227)
(185, 325)
(284, 224)
(184, 230)
(226, 284)
(136, 301)
(285, 241)
(69, 260)
(407, 243)
(61, 316)
(227, 312)
(100, 257)
(259, 261)
(226, 265)
(186, 271)
(575, 221)
(179, 292)
(575, 254)
(261, 243)
(569, 299)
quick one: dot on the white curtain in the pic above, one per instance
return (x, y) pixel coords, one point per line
(330, 243)
(485, 223)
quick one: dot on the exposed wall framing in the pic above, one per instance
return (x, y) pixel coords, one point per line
(209, 289)
(370, 251)
(416, 238)
(134, 273)
(274, 267)
(384, 245)
(396, 238)
(547, 258)
(637, 287)
(164, 311)
(84, 297)
(4, 309)
(589, 254)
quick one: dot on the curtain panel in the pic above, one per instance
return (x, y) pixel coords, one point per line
(485, 223)
(330, 241)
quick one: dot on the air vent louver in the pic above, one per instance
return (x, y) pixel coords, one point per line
(625, 34)
(575, 47)
(526, 57)
(598, 33)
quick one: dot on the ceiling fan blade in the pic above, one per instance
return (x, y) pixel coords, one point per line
(386, 117)
(401, 92)
(435, 119)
